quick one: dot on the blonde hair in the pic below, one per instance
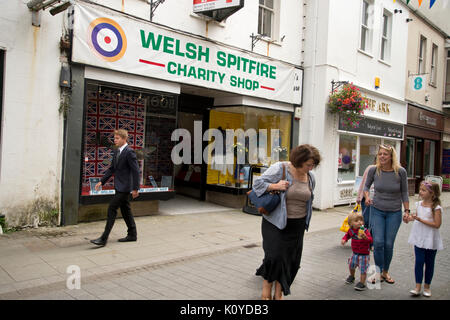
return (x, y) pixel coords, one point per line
(121, 133)
(433, 187)
(394, 158)
(353, 217)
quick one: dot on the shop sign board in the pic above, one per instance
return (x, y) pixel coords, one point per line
(425, 118)
(109, 39)
(376, 128)
(208, 5)
(380, 107)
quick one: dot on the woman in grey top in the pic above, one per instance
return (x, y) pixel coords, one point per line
(282, 230)
(391, 190)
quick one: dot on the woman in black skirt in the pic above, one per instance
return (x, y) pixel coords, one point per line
(283, 229)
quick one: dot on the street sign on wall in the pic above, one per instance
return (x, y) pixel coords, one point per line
(112, 40)
(208, 5)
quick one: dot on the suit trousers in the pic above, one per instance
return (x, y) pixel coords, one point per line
(121, 200)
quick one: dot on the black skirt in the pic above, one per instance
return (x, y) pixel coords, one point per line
(282, 252)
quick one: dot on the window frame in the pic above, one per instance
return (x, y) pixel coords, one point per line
(261, 25)
(433, 66)
(385, 52)
(422, 56)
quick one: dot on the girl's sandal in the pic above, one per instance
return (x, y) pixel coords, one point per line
(388, 279)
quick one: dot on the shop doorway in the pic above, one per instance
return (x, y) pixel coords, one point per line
(421, 156)
(190, 179)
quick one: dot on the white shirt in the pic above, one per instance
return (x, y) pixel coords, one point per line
(423, 236)
(122, 147)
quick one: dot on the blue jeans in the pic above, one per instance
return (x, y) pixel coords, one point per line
(385, 225)
(424, 257)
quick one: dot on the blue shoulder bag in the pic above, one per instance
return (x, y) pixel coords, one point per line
(268, 201)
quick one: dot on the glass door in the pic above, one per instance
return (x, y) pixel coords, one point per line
(418, 168)
(429, 156)
(410, 147)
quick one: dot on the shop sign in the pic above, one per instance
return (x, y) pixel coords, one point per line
(424, 118)
(208, 5)
(376, 128)
(217, 9)
(383, 109)
(111, 40)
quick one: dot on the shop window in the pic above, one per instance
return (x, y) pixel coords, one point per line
(270, 143)
(149, 118)
(429, 154)
(347, 158)
(410, 146)
(368, 153)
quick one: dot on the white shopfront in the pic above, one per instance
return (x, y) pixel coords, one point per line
(357, 147)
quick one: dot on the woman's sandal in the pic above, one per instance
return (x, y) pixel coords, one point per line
(388, 279)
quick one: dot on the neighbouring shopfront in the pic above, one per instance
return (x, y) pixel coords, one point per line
(132, 74)
(446, 155)
(383, 123)
(422, 147)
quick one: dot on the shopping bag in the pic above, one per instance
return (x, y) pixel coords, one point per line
(345, 226)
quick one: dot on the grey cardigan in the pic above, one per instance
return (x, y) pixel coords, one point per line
(273, 174)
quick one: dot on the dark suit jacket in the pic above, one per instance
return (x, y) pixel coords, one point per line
(125, 170)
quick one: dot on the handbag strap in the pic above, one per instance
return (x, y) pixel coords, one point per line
(284, 172)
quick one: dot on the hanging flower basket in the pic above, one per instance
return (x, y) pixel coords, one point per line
(349, 104)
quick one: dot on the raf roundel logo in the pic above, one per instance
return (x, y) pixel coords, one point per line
(107, 39)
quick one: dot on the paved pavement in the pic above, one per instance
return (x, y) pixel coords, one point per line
(204, 256)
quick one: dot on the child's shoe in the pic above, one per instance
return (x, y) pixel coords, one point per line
(426, 293)
(360, 286)
(350, 279)
(414, 292)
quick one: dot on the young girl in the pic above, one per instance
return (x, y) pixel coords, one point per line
(425, 235)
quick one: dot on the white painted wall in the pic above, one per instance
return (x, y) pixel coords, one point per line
(331, 53)
(235, 30)
(31, 146)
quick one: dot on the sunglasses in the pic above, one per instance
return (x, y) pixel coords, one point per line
(386, 146)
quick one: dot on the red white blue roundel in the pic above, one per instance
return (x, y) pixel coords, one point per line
(107, 39)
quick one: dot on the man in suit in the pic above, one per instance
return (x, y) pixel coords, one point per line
(125, 168)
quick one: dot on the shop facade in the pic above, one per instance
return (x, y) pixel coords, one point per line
(383, 123)
(423, 144)
(166, 86)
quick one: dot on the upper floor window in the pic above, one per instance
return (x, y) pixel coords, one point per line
(386, 36)
(433, 73)
(366, 31)
(266, 18)
(422, 54)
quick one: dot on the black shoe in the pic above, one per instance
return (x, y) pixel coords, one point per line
(360, 286)
(99, 242)
(350, 279)
(128, 238)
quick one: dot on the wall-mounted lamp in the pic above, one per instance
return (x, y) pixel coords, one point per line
(408, 20)
(99, 89)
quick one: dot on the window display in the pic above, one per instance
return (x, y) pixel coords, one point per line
(149, 119)
(368, 152)
(347, 157)
(268, 142)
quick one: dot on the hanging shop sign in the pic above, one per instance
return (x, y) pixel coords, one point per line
(376, 128)
(112, 40)
(217, 9)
